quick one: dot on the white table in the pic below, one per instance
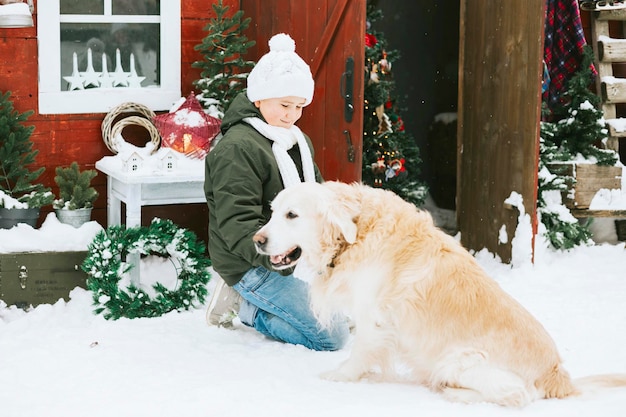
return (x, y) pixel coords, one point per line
(182, 186)
(147, 188)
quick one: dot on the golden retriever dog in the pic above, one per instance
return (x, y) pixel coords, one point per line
(416, 296)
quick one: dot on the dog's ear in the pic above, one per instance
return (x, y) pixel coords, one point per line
(345, 223)
(342, 209)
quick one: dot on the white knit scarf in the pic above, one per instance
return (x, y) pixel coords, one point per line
(284, 139)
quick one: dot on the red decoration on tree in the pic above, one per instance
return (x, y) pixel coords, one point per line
(188, 129)
(399, 124)
(370, 40)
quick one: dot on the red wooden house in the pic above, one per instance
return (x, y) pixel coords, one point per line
(34, 62)
(500, 50)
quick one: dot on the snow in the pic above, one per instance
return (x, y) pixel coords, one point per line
(609, 199)
(62, 360)
(446, 118)
(24, 238)
(7, 201)
(618, 124)
(15, 9)
(606, 199)
(152, 161)
(186, 117)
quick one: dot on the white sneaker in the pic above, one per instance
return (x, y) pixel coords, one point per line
(224, 305)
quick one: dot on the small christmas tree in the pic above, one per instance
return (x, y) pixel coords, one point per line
(563, 230)
(391, 158)
(75, 190)
(16, 155)
(579, 127)
(578, 130)
(223, 68)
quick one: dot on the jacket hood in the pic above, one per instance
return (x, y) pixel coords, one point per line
(239, 109)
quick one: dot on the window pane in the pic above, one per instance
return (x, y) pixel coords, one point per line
(82, 6)
(136, 7)
(137, 63)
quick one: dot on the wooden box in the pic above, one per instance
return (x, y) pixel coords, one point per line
(33, 278)
(590, 179)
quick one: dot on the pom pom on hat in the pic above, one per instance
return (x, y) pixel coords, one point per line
(282, 42)
(281, 73)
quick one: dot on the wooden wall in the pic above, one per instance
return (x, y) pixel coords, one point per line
(61, 139)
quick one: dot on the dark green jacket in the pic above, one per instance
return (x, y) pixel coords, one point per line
(241, 179)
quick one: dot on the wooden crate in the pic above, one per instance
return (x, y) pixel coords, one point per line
(590, 179)
(28, 278)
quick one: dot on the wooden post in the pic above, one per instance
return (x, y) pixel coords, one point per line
(500, 69)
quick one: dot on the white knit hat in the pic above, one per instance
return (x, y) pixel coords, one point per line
(281, 73)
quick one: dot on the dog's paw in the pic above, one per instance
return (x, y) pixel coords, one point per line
(338, 375)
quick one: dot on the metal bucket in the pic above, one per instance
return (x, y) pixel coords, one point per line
(75, 218)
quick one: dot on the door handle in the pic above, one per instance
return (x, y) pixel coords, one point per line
(347, 88)
(350, 146)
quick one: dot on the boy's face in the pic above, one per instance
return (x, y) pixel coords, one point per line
(281, 112)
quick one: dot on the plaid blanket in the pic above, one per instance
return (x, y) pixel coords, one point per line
(563, 46)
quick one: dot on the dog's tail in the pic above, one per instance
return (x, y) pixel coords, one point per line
(595, 383)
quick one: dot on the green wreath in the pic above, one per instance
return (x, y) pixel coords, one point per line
(104, 267)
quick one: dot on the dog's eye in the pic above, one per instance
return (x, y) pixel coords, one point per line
(291, 215)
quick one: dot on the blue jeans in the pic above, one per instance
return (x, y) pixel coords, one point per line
(278, 307)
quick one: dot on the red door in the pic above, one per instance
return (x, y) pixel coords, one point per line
(330, 37)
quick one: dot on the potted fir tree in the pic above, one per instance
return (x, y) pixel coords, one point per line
(20, 198)
(76, 195)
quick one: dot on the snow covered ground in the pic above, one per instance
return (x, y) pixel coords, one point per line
(61, 360)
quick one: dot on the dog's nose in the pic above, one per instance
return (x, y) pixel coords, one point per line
(259, 241)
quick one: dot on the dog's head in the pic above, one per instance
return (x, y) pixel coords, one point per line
(310, 220)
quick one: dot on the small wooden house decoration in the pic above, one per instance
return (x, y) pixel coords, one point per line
(169, 161)
(133, 163)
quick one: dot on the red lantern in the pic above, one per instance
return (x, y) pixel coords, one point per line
(188, 129)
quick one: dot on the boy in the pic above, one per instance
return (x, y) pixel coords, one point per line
(260, 153)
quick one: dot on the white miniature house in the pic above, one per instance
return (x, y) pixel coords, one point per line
(169, 161)
(133, 163)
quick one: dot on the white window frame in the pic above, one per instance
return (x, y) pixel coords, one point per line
(53, 100)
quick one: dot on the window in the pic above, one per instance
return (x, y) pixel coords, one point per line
(97, 54)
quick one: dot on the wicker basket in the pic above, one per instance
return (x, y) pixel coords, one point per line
(112, 125)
